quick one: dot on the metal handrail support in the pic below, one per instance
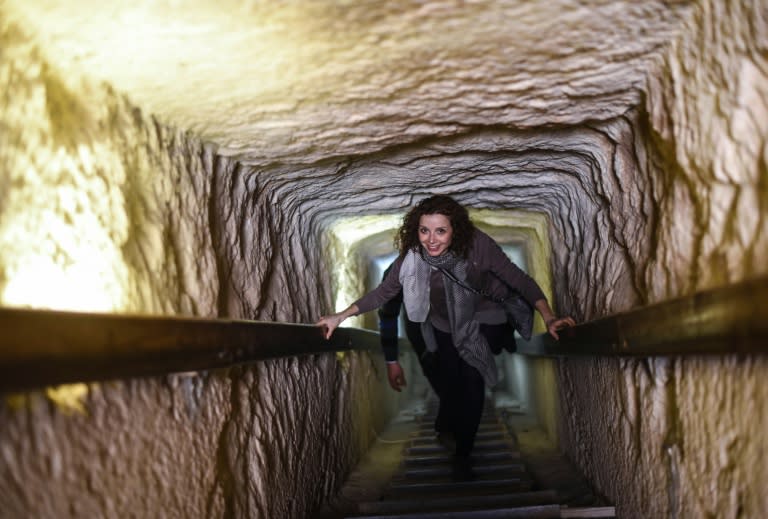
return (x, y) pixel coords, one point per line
(42, 348)
(731, 319)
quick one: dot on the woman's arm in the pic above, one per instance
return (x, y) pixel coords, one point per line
(330, 322)
(512, 275)
(492, 258)
(387, 289)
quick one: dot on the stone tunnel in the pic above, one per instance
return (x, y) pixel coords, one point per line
(251, 160)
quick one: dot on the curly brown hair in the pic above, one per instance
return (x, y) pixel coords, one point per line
(463, 229)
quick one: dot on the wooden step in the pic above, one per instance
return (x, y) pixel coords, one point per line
(459, 503)
(424, 486)
(428, 421)
(481, 436)
(527, 512)
(480, 446)
(489, 422)
(453, 488)
(482, 458)
(481, 472)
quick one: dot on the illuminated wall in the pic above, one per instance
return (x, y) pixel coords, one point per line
(102, 208)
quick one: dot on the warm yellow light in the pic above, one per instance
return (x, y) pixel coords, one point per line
(166, 55)
(68, 397)
(84, 285)
(63, 224)
(346, 234)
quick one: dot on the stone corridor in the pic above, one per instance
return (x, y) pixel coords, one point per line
(250, 160)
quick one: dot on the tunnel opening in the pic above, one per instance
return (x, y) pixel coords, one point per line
(364, 247)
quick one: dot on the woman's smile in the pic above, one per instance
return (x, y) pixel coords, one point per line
(435, 233)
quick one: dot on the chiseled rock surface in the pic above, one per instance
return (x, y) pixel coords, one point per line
(139, 444)
(274, 440)
(309, 81)
(685, 437)
(638, 128)
(102, 207)
(708, 107)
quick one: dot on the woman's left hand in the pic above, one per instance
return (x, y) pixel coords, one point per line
(557, 323)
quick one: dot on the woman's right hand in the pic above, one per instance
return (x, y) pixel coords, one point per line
(329, 323)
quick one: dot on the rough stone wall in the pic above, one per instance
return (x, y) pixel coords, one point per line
(271, 440)
(591, 183)
(708, 108)
(637, 128)
(685, 437)
(90, 184)
(138, 444)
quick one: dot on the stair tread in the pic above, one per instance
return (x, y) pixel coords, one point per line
(502, 486)
(487, 434)
(453, 487)
(481, 446)
(457, 503)
(481, 472)
(445, 457)
(526, 512)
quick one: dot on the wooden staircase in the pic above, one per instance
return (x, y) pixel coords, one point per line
(426, 486)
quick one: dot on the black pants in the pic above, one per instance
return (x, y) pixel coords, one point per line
(462, 395)
(462, 386)
(499, 336)
(427, 360)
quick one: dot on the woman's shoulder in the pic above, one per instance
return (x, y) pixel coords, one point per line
(480, 239)
(484, 250)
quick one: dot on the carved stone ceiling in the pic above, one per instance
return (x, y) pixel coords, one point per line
(302, 81)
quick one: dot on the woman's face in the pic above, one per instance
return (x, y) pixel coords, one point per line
(435, 233)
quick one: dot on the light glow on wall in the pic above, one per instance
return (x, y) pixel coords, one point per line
(346, 233)
(63, 221)
(145, 48)
(69, 398)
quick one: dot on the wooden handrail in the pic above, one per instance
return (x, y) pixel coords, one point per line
(731, 319)
(42, 348)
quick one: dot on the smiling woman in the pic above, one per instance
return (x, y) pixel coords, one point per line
(438, 224)
(435, 233)
(441, 255)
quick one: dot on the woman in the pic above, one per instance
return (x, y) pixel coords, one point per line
(437, 236)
